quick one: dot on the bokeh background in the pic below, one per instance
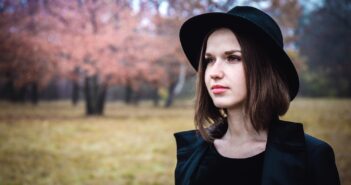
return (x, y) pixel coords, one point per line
(91, 91)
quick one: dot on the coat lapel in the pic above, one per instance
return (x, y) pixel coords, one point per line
(285, 156)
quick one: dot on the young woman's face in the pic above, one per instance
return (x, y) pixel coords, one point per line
(224, 74)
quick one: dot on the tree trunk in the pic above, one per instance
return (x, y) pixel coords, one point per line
(75, 93)
(34, 95)
(128, 94)
(95, 94)
(156, 97)
(88, 96)
(176, 86)
(135, 97)
(101, 99)
(171, 94)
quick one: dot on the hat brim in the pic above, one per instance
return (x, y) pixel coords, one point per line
(195, 29)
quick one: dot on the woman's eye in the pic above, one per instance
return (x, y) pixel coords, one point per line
(209, 60)
(234, 58)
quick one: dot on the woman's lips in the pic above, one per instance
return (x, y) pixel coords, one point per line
(218, 89)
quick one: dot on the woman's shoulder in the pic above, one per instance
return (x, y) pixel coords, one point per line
(316, 146)
(187, 140)
(313, 141)
(321, 162)
(293, 132)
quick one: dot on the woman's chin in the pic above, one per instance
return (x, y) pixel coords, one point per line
(222, 105)
(227, 105)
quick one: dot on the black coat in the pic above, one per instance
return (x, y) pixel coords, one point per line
(291, 158)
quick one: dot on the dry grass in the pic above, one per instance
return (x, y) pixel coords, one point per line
(54, 143)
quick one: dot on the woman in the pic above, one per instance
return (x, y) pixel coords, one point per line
(245, 82)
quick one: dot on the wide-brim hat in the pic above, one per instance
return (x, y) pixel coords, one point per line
(246, 19)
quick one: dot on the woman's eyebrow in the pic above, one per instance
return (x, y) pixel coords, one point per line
(208, 55)
(226, 52)
(231, 52)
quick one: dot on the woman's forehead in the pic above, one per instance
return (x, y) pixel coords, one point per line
(222, 40)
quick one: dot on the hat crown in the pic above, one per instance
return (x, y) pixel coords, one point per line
(261, 19)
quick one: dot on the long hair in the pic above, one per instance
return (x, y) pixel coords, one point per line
(267, 92)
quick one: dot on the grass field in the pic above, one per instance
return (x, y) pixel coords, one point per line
(54, 143)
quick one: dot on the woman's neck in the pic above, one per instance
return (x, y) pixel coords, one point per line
(240, 128)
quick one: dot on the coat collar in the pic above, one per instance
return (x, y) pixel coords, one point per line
(285, 157)
(284, 161)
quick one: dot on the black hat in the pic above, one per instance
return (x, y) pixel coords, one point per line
(247, 19)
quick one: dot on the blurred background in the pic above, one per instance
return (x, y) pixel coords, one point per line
(91, 91)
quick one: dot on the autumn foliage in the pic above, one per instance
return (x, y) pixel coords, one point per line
(95, 44)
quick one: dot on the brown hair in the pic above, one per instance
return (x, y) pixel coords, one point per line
(267, 92)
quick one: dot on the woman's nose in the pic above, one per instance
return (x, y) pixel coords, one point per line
(216, 72)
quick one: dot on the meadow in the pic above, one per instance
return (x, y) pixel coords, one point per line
(54, 143)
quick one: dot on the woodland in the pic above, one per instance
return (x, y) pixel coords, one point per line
(100, 50)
